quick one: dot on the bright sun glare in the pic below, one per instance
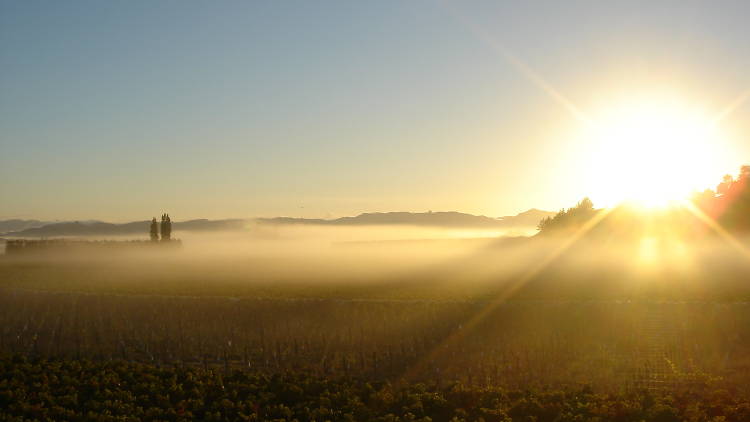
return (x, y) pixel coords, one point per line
(651, 153)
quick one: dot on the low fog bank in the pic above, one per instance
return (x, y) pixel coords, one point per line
(401, 246)
(233, 263)
(397, 263)
(519, 310)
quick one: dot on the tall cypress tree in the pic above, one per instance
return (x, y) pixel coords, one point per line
(154, 230)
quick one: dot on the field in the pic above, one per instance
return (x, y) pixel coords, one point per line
(495, 316)
(121, 391)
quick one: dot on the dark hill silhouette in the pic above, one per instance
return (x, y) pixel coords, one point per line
(528, 218)
(15, 224)
(450, 219)
(531, 217)
(98, 228)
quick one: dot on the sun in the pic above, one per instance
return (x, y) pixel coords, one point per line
(651, 153)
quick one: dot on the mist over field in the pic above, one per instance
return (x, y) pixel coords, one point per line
(417, 263)
(654, 310)
(386, 211)
(518, 312)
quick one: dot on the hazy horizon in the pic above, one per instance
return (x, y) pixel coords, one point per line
(270, 217)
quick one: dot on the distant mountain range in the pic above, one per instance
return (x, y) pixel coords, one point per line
(15, 225)
(34, 228)
(449, 219)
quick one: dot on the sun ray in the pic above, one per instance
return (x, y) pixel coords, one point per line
(522, 67)
(454, 337)
(732, 106)
(716, 227)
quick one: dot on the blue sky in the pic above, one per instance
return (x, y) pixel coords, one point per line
(119, 110)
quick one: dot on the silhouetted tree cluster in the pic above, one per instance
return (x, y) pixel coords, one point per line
(569, 219)
(729, 205)
(165, 228)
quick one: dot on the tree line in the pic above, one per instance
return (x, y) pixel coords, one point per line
(728, 205)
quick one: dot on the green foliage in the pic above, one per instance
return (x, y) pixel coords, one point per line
(80, 390)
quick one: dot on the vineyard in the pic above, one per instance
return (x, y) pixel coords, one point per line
(606, 344)
(37, 389)
(283, 345)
